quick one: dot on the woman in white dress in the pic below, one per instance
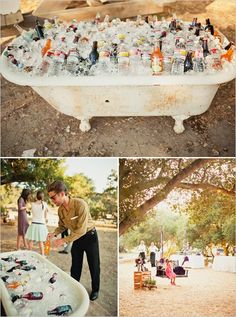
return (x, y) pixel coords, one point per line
(142, 251)
(37, 231)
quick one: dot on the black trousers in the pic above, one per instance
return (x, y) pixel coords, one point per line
(152, 259)
(88, 244)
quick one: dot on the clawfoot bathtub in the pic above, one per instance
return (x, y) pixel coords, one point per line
(85, 97)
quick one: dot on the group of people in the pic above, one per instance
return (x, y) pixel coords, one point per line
(154, 257)
(74, 215)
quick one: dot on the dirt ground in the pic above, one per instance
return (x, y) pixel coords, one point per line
(205, 293)
(29, 122)
(106, 304)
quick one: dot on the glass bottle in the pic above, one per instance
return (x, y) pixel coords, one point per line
(94, 55)
(188, 63)
(60, 310)
(229, 54)
(209, 26)
(53, 278)
(123, 60)
(46, 47)
(13, 285)
(29, 296)
(205, 47)
(28, 268)
(13, 268)
(157, 60)
(39, 29)
(198, 61)
(47, 246)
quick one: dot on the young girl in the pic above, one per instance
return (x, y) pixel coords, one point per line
(169, 272)
(37, 231)
(22, 218)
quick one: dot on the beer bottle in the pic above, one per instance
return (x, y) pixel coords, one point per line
(94, 55)
(188, 63)
(209, 26)
(157, 60)
(39, 29)
(205, 47)
(60, 310)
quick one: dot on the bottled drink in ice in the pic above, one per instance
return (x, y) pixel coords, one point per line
(209, 27)
(157, 60)
(60, 310)
(46, 47)
(94, 55)
(29, 296)
(188, 63)
(39, 29)
(53, 278)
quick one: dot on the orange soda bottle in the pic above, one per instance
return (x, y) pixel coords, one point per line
(46, 47)
(157, 61)
(13, 285)
(47, 246)
(229, 54)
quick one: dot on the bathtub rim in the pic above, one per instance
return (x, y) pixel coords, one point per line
(23, 79)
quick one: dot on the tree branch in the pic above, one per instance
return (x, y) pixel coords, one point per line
(152, 202)
(206, 187)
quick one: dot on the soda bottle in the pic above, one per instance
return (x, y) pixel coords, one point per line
(157, 60)
(29, 296)
(60, 310)
(72, 60)
(47, 245)
(46, 47)
(188, 63)
(123, 59)
(216, 59)
(209, 26)
(13, 285)
(53, 278)
(94, 55)
(229, 54)
(8, 259)
(39, 29)
(198, 61)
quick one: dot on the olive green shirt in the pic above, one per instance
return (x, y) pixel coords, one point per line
(77, 218)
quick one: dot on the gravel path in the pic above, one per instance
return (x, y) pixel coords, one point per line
(205, 293)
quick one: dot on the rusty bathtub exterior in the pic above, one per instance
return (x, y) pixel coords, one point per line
(85, 97)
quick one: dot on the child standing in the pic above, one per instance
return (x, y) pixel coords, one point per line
(37, 231)
(169, 272)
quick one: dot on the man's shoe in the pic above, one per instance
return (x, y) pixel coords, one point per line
(93, 295)
(63, 252)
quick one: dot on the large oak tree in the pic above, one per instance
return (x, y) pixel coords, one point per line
(146, 182)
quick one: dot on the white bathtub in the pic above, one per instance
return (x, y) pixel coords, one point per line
(79, 306)
(85, 97)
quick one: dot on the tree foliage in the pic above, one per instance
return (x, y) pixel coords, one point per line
(146, 182)
(34, 173)
(211, 220)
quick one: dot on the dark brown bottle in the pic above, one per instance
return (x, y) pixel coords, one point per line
(205, 47)
(188, 63)
(94, 55)
(209, 26)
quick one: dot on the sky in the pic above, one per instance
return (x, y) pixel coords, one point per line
(97, 169)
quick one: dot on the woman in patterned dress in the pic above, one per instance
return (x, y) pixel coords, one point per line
(22, 218)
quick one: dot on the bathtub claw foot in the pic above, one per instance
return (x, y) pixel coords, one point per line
(84, 125)
(179, 124)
